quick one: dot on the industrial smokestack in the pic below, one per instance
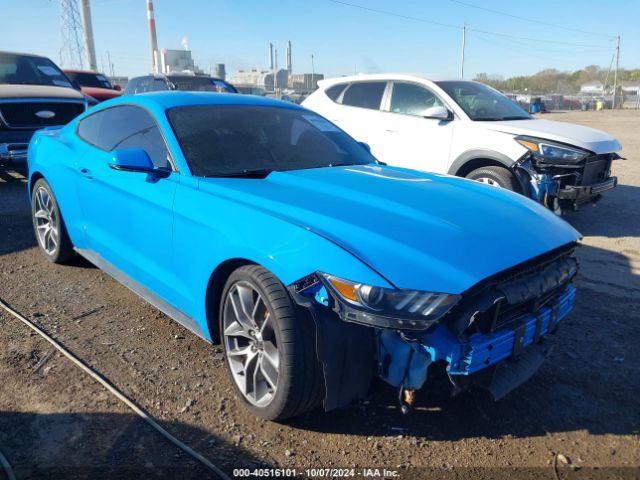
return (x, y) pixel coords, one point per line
(85, 12)
(276, 59)
(289, 67)
(270, 56)
(153, 40)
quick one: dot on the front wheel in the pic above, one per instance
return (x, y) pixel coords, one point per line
(495, 177)
(269, 348)
(48, 224)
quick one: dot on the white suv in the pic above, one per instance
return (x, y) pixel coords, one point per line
(468, 129)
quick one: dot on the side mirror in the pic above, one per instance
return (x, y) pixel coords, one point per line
(134, 160)
(366, 146)
(117, 88)
(439, 113)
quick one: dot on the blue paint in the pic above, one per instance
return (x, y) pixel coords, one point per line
(409, 360)
(543, 187)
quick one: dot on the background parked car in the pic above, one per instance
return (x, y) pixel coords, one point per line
(94, 84)
(470, 130)
(34, 93)
(192, 83)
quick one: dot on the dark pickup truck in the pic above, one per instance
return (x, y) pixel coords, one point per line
(34, 94)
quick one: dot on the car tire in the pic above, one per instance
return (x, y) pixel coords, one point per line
(496, 177)
(48, 224)
(255, 334)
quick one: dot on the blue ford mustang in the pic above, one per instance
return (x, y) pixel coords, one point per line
(262, 225)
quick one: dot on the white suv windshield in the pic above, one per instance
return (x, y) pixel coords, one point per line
(483, 103)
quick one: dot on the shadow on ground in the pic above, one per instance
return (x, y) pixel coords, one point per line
(616, 215)
(109, 445)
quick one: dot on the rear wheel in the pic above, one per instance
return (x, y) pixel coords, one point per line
(48, 224)
(495, 177)
(270, 351)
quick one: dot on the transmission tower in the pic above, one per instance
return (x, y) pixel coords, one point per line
(72, 51)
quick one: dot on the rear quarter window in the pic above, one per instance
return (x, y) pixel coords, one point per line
(334, 92)
(364, 95)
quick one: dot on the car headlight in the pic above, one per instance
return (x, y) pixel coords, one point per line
(551, 152)
(390, 307)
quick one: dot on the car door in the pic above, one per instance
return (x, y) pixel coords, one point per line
(407, 138)
(358, 112)
(128, 216)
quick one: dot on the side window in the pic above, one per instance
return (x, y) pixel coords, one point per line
(364, 94)
(158, 85)
(151, 141)
(132, 86)
(412, 99)
(125, 127)
(334, 92)
(89, 128)
(143, 85)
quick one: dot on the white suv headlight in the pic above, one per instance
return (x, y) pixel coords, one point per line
(552, 152)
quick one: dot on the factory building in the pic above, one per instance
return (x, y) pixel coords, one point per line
(221, 71)
(304, 82)
(178, 61)
(267, 80)
(275, 78)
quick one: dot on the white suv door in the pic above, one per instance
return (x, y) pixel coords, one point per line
(408, 139)
(357, 111)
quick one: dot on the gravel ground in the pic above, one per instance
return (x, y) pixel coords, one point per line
(54, 421)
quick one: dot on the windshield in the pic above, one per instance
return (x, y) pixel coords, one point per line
(28, 70)
(87, 79)
(224, 140)
(201, 84)
(483, 103)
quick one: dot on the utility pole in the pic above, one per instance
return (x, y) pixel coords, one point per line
(615, 75)
(109, 61)
(464, 41)
(72, 49)
(606, 79)
(85, 13)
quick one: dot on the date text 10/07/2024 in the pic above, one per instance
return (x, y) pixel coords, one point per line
(316, 472)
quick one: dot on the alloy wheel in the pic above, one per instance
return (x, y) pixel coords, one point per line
(47, 222)
(250, 344)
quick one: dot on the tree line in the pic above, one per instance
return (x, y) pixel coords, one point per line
(551, 80)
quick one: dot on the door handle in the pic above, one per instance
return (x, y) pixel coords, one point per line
(86, 172)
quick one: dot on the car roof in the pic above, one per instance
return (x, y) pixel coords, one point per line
(361, 77)
(72, 70)
(23, 54)
(171, 99)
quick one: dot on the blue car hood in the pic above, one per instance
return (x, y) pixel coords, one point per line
(418, 230)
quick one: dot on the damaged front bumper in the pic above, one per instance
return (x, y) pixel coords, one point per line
(565, 187)
(493, 338)
(404, 361)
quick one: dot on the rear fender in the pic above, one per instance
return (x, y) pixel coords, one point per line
(54, 156)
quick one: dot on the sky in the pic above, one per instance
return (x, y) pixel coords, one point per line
(345, 39)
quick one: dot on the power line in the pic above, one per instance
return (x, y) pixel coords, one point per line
(536, 21)
(457, 27)
(398, 15)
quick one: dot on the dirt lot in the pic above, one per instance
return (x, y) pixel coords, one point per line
(54, 421)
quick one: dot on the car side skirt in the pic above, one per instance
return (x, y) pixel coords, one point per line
(143, 292)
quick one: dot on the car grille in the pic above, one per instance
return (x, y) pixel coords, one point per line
(24, 114)
(500, 300)
(596, 169)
